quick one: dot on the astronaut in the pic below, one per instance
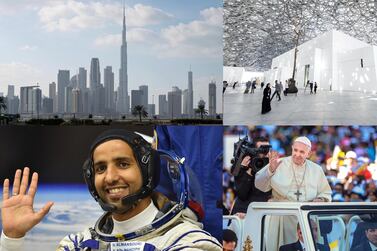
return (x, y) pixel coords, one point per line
(122, 172)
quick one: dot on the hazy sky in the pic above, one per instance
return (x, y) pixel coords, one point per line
(165, 37)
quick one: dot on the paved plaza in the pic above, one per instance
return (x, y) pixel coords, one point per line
(323, 108)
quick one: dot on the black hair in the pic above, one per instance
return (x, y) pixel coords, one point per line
(229, 236)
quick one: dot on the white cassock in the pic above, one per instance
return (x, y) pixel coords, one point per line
(290, 182)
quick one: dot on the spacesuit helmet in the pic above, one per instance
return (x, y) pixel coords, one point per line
(147, 159)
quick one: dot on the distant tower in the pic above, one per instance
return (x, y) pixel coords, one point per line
(123, 102)
(82, 78)
(175, 102)
(95, 74)
(10, 91)
(109, 88)
(63, 82)
(185, 106)
(52, 95)
(162, 106)
(212, 98)
(190, 100)
(144, 95)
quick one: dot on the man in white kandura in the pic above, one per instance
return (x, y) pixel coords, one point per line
(293, 178)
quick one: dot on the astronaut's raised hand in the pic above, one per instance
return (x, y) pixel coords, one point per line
(17, 213)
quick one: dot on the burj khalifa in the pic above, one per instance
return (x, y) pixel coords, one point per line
(123, 104)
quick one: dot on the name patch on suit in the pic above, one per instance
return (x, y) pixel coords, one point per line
(127, 246)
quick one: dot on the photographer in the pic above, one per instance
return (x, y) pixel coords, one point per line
(253, 157)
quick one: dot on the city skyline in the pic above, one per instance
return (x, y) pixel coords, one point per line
(162, 70)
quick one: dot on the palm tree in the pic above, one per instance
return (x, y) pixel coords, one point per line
(139, 110)
(3, 105)
(201, 108)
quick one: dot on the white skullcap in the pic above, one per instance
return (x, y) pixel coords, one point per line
(304, 140)
(351, 154)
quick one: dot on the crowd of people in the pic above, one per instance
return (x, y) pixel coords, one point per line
(268, 93)
(346, 154)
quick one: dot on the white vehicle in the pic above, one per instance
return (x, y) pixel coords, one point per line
(341, 226)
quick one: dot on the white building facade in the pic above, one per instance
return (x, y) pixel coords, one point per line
(334, 60)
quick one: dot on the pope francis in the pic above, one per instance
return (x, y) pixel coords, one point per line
(293, 178)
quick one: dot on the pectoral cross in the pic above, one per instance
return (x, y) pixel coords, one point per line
(298, 194)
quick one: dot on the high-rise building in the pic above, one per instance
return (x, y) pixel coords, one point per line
(74, 82)
(85, 93)
(63, 82)
(10, 91)
(144, 95)
(109, 88)
(68, 99)
(123, 98)
(175, 103)
(98, 100)
(47, 105)
(37, 101)
(13, 105)
(95, 73)
(77, 101)
(96, 89)
(162, 106)
(136, 98)
(52, 90)
(31, 100)
(190, 98)
(26, 102)
(82, 78)
(185, 96)
(212, 98)
(151, 110)
(12, 101)
(52, 95)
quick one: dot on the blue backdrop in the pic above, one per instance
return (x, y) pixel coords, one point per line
(202, 147)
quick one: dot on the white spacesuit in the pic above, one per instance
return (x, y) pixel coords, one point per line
(181, 232)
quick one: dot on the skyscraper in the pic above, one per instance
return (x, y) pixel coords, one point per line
(185, 96)
(37, 101)
(108, 81)
(123, 102)
(190, 97)
(10, 91)
(162, 106)
(74, 81)
(77, 101)
(151, 110)
(144, 95)
(175, 102)
(47, 105)
(63, 82)
(68, 99)
(136, 98)
(95, 74)
(31, 100)
(95, 88)
(82, 78)
(52, 95)
(26, 99)
(12, 101)
(212, 98)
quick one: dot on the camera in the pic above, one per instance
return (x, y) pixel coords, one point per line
(244, 148)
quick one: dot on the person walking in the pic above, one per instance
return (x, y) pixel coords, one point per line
(277, 90)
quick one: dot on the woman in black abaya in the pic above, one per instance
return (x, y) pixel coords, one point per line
(266, 102)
